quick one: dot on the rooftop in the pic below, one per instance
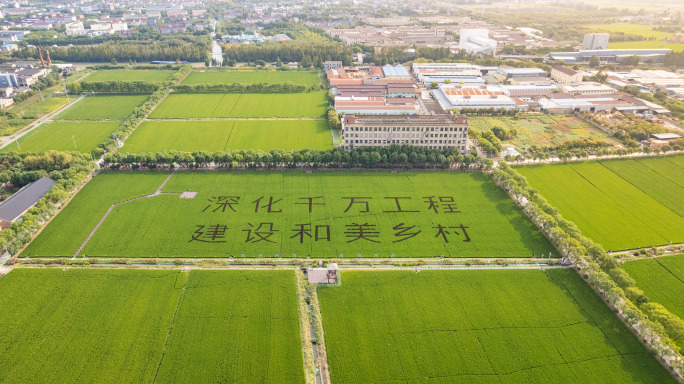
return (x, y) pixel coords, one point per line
(24, 199)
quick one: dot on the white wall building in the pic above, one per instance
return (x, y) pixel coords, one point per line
(75, 28)
(477, 41)
(594, 41)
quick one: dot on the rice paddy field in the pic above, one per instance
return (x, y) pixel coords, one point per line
(661, 279)
(647, 44)
(28, 111)
(540, 129)
(292, 215)
(252, 77)
(134, 326)
(128, 75)
(477, 327)
(246, 105)
(82, 136)
(620, 204)
(102, 107)
(224, 135)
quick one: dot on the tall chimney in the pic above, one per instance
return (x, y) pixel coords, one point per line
(48, 58)
(40, 54)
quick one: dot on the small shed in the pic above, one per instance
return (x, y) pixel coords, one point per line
(25, 198)
(327, 275)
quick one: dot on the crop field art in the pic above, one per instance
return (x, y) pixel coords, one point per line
(81, 136)
(252, 77)
(620, 204)
(103, 107)
(223, 135)
(245, 105)
(477, 327)
(132, 326)
(292, 215)
(661, 279)
(132, 75)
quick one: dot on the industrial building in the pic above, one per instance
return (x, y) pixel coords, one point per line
(516, 73)
(616, 102)
(593, 41)
(564, 75)
(610, 55)
(457, 73)
(458, 97)
(588, 88)
(436, 131)
(377, 105)
(12, 208)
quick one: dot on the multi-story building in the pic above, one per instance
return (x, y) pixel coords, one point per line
(565, 75)
(595, 41)
(438, 131)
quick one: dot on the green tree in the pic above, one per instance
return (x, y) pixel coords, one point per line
(594, 61)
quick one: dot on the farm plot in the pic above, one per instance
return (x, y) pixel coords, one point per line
(102, 108)
(132, 326)
(223, 135)
(275, 214)
(93, 326)
(235, 327)
(662, 279)
(132, 75)
(540, 130)
(252, 77)
(247, 105)
(477, 327)
(63, 136)
(71, 226)
(613, 202)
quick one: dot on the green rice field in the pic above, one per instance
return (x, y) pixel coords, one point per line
(183, 106)
(131, 326)
(128, 75)
(644, 30)
(647, 44)
(620, 204)
(252, 77)
(293, 214)
(225, 135)
(64, 136)
(661, 279)
(477, 327)
(102, 107)
(540, 129)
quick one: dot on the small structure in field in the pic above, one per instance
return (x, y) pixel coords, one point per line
(25, 198)
(327, 275)
(188, 195)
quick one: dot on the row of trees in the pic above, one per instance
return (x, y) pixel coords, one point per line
(117, 86)
(147, 50)
(70, 170)
(286, 87)
(662, 330)
(141, 112)
(367, 157)
(487, 111)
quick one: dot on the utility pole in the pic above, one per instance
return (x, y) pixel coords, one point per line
(66, 90)
(72, 138)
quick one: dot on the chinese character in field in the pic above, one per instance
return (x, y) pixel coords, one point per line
(443, 232)
(405, 232)
(447, 203)
(363, 231)
(222, 202)
(310, 201)
(262, 232)
(210, 234)
(361, 200)
(321, 232)
(396, 202)
(268, 205)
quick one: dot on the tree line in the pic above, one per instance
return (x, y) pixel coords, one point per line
(126, 50)
(661, 329)
(394, 156)
(285, 87)
(116, 86)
